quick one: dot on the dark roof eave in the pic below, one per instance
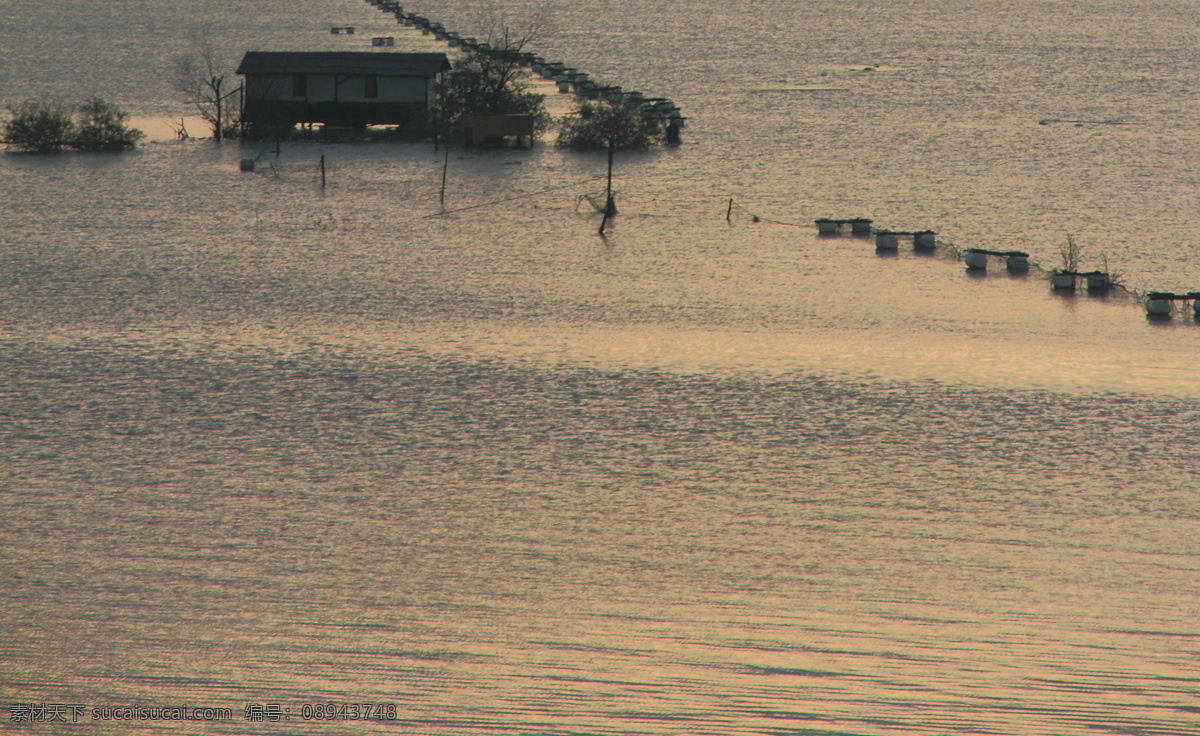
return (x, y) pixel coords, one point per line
(424, 65)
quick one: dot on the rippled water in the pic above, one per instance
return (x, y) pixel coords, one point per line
(267, 443)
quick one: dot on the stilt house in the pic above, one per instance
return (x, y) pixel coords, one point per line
(338, 88)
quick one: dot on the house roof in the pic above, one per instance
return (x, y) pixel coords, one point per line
(383, 64)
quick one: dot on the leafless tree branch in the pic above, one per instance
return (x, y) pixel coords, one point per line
(203, 79)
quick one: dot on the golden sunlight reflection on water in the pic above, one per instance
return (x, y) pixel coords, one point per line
(1070, 365)
(950, 359)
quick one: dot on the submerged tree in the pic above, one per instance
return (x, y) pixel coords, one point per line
(45, 127)
(206, 83)
(100, 126)
(493, 80)
(39, 126)
(597, 125)
(485, 82)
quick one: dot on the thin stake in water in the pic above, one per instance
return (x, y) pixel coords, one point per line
(610, 207)
(445, 166)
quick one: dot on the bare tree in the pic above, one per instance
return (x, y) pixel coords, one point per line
(204, 80)
(492, 23)
(508, 38)
(513, 34)
(492, 79)
(1072, 254)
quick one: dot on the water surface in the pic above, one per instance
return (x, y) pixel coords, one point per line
(271, 443)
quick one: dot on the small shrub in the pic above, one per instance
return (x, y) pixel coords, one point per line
(39, 126)
(594, 124)
(101, 127)
(46, 127)
(1072, 254)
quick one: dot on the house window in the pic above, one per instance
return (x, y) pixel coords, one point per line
(299, 85)
(371, 88)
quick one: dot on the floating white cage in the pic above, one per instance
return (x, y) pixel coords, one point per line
(1158, 307)
(976, 261)
(1017, 264)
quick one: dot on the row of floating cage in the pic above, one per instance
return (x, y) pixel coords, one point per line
(568, 79)
(1162, 303)
(885, 240)
(1098, 282)
(1157, 303)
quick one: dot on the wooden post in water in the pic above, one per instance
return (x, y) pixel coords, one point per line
(322, 171)
(610, 207)
(445, 166)
(608, 202)
(729, 210)
(673, 134)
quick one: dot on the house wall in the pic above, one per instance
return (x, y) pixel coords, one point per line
(328, 88)
(268, 87)
(401, 89)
